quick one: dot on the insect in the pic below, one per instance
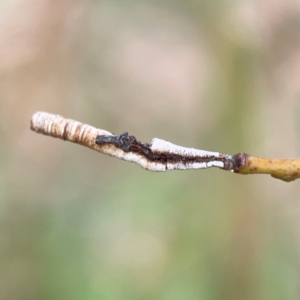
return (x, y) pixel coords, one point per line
(160, 155)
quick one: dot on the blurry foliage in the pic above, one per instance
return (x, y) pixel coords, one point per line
(78, 225)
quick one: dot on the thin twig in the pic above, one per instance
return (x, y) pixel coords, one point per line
(159, 155)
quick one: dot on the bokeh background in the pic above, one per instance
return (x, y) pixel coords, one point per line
(214, 75)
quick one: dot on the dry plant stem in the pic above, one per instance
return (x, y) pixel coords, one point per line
(284, 169)
(159, 155)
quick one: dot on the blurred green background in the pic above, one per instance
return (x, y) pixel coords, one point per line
(213, 75)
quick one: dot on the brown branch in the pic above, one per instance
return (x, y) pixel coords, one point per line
(284, 169)
(159, 155)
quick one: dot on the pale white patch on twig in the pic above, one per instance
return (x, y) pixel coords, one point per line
(160, 146)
